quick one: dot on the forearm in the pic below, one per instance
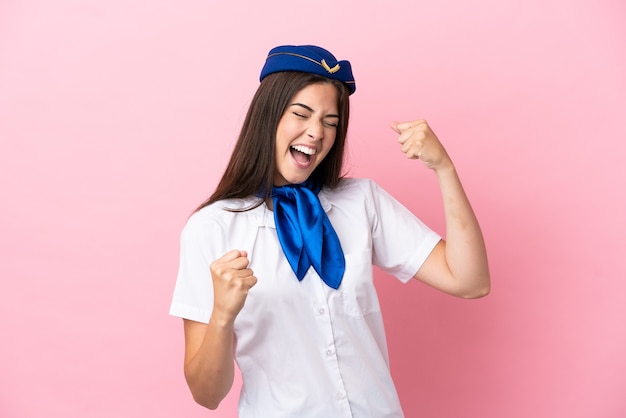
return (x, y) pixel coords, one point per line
(466, 255)
(210, 371)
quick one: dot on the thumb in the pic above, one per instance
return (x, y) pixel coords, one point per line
(394, 125)
(233, 255)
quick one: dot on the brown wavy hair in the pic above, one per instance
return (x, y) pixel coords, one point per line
(250, 171)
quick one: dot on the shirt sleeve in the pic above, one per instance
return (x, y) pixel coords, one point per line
(401, 241)
(200, 243)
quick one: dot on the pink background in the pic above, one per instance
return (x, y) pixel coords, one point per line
(117, 119)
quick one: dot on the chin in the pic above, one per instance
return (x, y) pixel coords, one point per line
(297, 180)
(291, 179)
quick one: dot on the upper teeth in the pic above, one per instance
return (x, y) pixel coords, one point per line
(303, 149)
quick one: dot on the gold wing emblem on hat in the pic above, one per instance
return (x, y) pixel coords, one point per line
(327, 67)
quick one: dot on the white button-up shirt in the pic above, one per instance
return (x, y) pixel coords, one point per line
(303, 348)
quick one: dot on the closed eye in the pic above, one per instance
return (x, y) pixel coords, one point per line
(329, 120)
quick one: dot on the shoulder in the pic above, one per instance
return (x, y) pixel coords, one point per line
(353, 191)
(352, 194)
(352, 187)
(220, 214)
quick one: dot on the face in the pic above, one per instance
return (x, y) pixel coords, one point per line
(306, 132)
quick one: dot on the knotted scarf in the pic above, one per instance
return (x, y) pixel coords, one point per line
(306, 234)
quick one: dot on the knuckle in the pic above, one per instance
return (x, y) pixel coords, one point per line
(215, 267)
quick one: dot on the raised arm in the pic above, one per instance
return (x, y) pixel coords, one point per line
(457, 265)
(209, 368)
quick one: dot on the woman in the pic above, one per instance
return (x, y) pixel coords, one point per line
(276, 266)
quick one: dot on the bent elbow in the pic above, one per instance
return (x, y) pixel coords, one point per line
(205, 395)
(206, 401)
(477, 292)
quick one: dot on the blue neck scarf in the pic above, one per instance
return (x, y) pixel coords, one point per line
(306, 234)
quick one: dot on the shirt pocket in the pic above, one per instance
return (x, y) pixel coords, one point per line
(358, 294)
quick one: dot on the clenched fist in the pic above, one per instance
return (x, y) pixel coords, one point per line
(232, 279)
(419, 141)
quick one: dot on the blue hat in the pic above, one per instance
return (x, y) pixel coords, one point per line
(308, 59)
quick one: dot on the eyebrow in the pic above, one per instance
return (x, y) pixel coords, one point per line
(313, 111)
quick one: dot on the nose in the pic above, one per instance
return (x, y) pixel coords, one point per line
(315, 130)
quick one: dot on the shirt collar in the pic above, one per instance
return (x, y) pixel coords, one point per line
(265, 217)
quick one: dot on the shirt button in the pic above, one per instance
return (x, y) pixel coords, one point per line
(341, 395)
(321, 311)
(329, 352)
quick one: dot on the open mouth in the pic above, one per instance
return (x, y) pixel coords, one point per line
(301, 154)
